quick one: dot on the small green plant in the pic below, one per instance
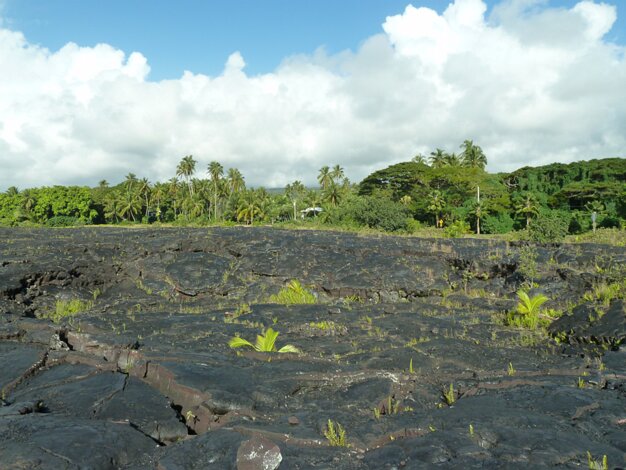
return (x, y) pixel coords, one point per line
(67, 309)
(265, 342)
(510, 369)
(527, 312)
(471, 430)
(597, 465)
(527, 264)
(411, 371)
(449, 395)
(335, 434)
(294, 293)
(581, 383)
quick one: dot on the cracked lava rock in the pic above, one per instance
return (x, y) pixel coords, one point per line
(114, 352)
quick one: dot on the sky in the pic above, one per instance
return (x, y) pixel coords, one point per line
(279, 88)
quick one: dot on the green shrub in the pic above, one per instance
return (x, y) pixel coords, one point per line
(63, 221)
(374, 212)
(293, 293)
(412, 225)
(457, 229)
(549, 227)
(500, 223)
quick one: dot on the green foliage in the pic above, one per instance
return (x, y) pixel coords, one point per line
(294, 293)
(604, 293)
(597, 465)
(63, 221)
(549, 227)
(374, 212)
(265, 342)
(449, 395)
(498, 223)
(457, 229)
(527, 312)
(335, 434)
(527, 264)
(68, 308)
(510, 371)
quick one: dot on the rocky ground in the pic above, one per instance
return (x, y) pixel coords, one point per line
(406, 348)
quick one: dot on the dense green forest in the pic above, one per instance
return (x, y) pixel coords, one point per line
(451, 192)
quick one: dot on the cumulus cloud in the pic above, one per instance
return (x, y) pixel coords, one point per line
(529, 83)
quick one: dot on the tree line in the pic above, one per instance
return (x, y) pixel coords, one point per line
(443, 190)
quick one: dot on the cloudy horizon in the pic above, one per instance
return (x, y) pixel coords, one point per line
(529, 82)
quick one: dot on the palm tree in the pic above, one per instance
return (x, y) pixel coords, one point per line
(113, 207)
(406, 200)
(332, 194)
(419, 158)
(186, 168)
(528, 207)
(337, 173)
(436, 204)
(452, 159)
(438, 158)
(102, 184)
(12, 191)
(172, 192)
(236, 180)
(324, 178)
(130, 205)
(472, 155)
(295, 191)
(130, 181)
(248, 207)
(158, 194)
(216, 171)
(144, 192)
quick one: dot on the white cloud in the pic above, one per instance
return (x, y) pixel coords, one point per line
(530, 84)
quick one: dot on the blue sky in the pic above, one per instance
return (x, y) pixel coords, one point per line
(198, 35)
(95, 89)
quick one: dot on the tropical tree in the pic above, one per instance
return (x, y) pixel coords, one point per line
(12, 191)
(248, 207)
(332, 194)
(113, 207)
(185, 169)
(527, 207)
(472, 155)
(419, 158)
(144, 192)
(130, 182)
(295, 192)
(172, 193)
(436, 204)
(216, 171)
(438, 158)
(337, 173)
(130, 205)
(325, 178)
(235, 180)
(452, 159)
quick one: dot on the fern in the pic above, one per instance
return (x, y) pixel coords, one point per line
(335, 434)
